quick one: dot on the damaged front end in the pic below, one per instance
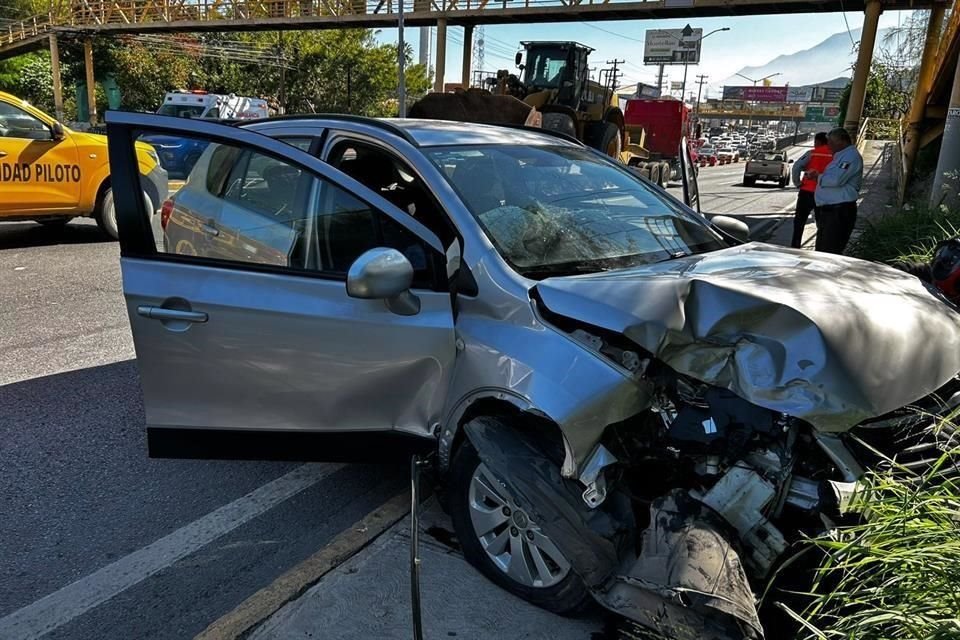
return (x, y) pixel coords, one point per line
(761, 370)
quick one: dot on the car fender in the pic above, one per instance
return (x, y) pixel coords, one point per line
(541, 371)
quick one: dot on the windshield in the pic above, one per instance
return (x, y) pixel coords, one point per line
(181, 110)
(559, 210)
(545, 67)
(773, 157)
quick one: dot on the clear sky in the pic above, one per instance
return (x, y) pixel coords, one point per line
(752, 40)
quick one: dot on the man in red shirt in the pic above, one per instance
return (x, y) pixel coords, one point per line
(811, 163)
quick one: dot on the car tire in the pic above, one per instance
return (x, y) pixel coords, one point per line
(611, 142)
(655, 174)
(470, 496)
(749, 182)
(106, 215)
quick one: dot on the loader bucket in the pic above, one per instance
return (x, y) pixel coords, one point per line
(475, 105)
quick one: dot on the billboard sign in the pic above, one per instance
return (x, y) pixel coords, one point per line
(830, 95)
(676, 86)
(670, 46)
(755, 94)
(799, 94)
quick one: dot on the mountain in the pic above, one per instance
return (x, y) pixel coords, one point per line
(827, 62)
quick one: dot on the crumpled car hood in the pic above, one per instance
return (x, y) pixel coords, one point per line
(828, 339)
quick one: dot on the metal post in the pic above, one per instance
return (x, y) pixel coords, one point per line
(796, 130)
(91, 88)
(660, 79)
(946, 182)
(441, 68)
(467, 55)
(57, 81)
(911, 142)
(683, 90)
(858, 92)
(700, 80)
(401, 65)
(281, 60)
(424, 46)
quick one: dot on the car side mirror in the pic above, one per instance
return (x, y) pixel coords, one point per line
(384, 274)
(56, 131)
(736, 229)
(790, 161)
(517, 59)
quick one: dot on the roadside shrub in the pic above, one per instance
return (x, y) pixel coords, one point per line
(896, 574)
(905, 236)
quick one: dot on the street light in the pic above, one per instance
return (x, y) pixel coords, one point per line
(686, 33)
(772, 75)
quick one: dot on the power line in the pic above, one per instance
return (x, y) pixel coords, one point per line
(613, 33)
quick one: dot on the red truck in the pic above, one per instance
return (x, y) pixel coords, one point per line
(665, 123)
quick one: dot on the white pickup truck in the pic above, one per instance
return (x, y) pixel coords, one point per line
(767, 165)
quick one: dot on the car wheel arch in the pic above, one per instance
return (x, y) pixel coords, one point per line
(504, 405)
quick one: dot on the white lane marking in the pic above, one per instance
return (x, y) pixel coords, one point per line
(73, 600)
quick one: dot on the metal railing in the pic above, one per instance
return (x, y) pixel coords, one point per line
(19, 31)
(101, 12)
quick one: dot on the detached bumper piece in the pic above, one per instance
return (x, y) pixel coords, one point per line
(686, 583)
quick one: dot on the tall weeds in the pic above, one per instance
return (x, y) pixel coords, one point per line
(896, 574)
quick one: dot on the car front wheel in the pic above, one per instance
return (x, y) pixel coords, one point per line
(499, 538)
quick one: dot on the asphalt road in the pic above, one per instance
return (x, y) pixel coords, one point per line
(760, 206)
(96, 539)
(99, 541)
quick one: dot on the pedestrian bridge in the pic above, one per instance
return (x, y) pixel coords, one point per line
(93, 17)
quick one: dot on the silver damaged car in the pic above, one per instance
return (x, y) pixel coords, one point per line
(627, 404)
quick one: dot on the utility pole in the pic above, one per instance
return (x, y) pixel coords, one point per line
(614, 74)
(701, 79)
(660, 79)
(401, 64)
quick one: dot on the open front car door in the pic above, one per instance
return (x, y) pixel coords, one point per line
(279, 309)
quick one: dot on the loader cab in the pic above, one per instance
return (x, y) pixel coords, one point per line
(560, 66)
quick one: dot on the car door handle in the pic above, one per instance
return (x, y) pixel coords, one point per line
(210, 231)
(3, 154)
(161, 313)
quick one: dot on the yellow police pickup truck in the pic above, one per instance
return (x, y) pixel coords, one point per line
(51, 174)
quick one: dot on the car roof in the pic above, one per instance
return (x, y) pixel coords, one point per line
(421, 133)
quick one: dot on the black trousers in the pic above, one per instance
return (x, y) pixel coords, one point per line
(805, 204)
(834, 226)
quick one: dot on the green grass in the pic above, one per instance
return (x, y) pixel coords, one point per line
(907, 235)
(896, 574)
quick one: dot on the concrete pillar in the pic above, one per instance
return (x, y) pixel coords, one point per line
(57, 81)
(467, 55)
(441, 67)
(858, 92)
(91, 87)
(911, 142)
(946, 182)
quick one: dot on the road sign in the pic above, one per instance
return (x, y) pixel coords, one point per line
(676, 86)
(755, 94)
(821, 114)
(670, 46)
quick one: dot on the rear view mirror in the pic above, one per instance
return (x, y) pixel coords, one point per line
(790, 161)
(518, 58)
(736, 229)
(56, 131)
(384, 274)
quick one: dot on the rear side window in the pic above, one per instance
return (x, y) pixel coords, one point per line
(263, 184)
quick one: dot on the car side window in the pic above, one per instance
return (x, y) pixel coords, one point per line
(391, 178)
(242, 206)
(17, 123)
(347, 227)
